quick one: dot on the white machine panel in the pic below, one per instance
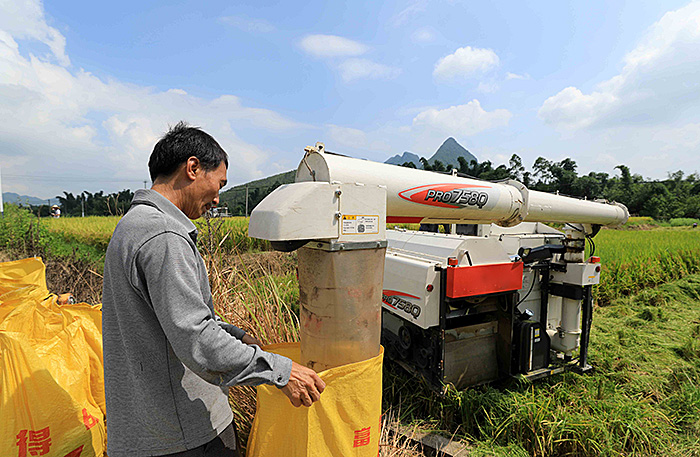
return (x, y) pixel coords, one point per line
(469, 250)
(580, 274)
(321, 211)
(406, 281)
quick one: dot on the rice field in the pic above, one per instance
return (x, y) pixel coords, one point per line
(632, 259)
(642, 399)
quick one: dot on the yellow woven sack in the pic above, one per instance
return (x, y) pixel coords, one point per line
(51, 370)
(21, 280)
(344, 422)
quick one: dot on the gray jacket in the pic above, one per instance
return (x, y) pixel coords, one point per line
(168, 359)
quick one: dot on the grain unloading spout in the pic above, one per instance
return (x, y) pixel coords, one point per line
(416, 196)
(342, 229)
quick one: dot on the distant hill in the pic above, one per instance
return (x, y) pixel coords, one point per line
(403, 158)
(234, 198)
(449, 152)
(11, 197)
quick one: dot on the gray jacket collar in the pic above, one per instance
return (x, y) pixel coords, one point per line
(152, 198)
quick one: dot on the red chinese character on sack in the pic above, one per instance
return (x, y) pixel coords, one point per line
(88, 419)
(75, 452)
(36, 442)
(361, 437)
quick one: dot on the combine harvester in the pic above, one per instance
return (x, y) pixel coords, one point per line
(512, 300)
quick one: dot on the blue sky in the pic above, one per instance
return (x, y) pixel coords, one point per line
(86, 88)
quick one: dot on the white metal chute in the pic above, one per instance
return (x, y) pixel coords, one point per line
(546, 207)
(421, 196)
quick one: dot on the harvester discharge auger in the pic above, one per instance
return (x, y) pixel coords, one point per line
(510, 297)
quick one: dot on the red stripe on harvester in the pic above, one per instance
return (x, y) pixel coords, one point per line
(403, 220)
(484, 279)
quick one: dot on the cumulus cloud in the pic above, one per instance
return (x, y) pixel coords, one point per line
(660, 78)
(352, 69)
(465, 62)
(331, 46)
(573, 109)
(461, 120)
(72, 123)
(25, 20)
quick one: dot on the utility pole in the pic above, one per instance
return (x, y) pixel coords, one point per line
(246, 200)
(144, 183)
(82, 203)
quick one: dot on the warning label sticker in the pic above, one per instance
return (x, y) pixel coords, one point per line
(359, 225)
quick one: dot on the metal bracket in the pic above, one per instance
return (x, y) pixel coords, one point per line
(334, 245)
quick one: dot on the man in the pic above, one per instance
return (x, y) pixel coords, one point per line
(168, 359)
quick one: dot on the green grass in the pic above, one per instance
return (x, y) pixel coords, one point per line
(642, 399)
(636, 260)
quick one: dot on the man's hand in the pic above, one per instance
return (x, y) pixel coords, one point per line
(304, 386)
(251, 340)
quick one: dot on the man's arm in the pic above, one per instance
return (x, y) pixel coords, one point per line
(169, 269)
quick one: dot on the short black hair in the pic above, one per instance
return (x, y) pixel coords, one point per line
(180, 143)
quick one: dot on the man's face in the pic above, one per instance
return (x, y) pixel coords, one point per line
(205, 191)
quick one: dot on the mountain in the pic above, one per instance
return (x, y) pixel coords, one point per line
(448, 153)
(403, 158)
(235, 197)
(11, 197)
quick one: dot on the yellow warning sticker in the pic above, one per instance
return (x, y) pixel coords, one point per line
(356, 224)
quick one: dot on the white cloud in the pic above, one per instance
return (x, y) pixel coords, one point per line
(415, 8)
(346, 136)
(352, 69)
(510, 76)
(572, 109)
(465, 62)
(71, 123)
(660, 79)
(247, 24)
(423, 35)
(461, 120)
(25, 20)
(331, 46)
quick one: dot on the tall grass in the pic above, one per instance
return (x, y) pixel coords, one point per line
(633, 261)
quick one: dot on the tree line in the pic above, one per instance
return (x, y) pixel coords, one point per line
(676, 196)
(89, 204)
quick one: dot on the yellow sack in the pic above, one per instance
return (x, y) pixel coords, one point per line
(21, 280)
(345, 422)
(51, 369)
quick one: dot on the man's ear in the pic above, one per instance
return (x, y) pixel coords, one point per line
(192, 168)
